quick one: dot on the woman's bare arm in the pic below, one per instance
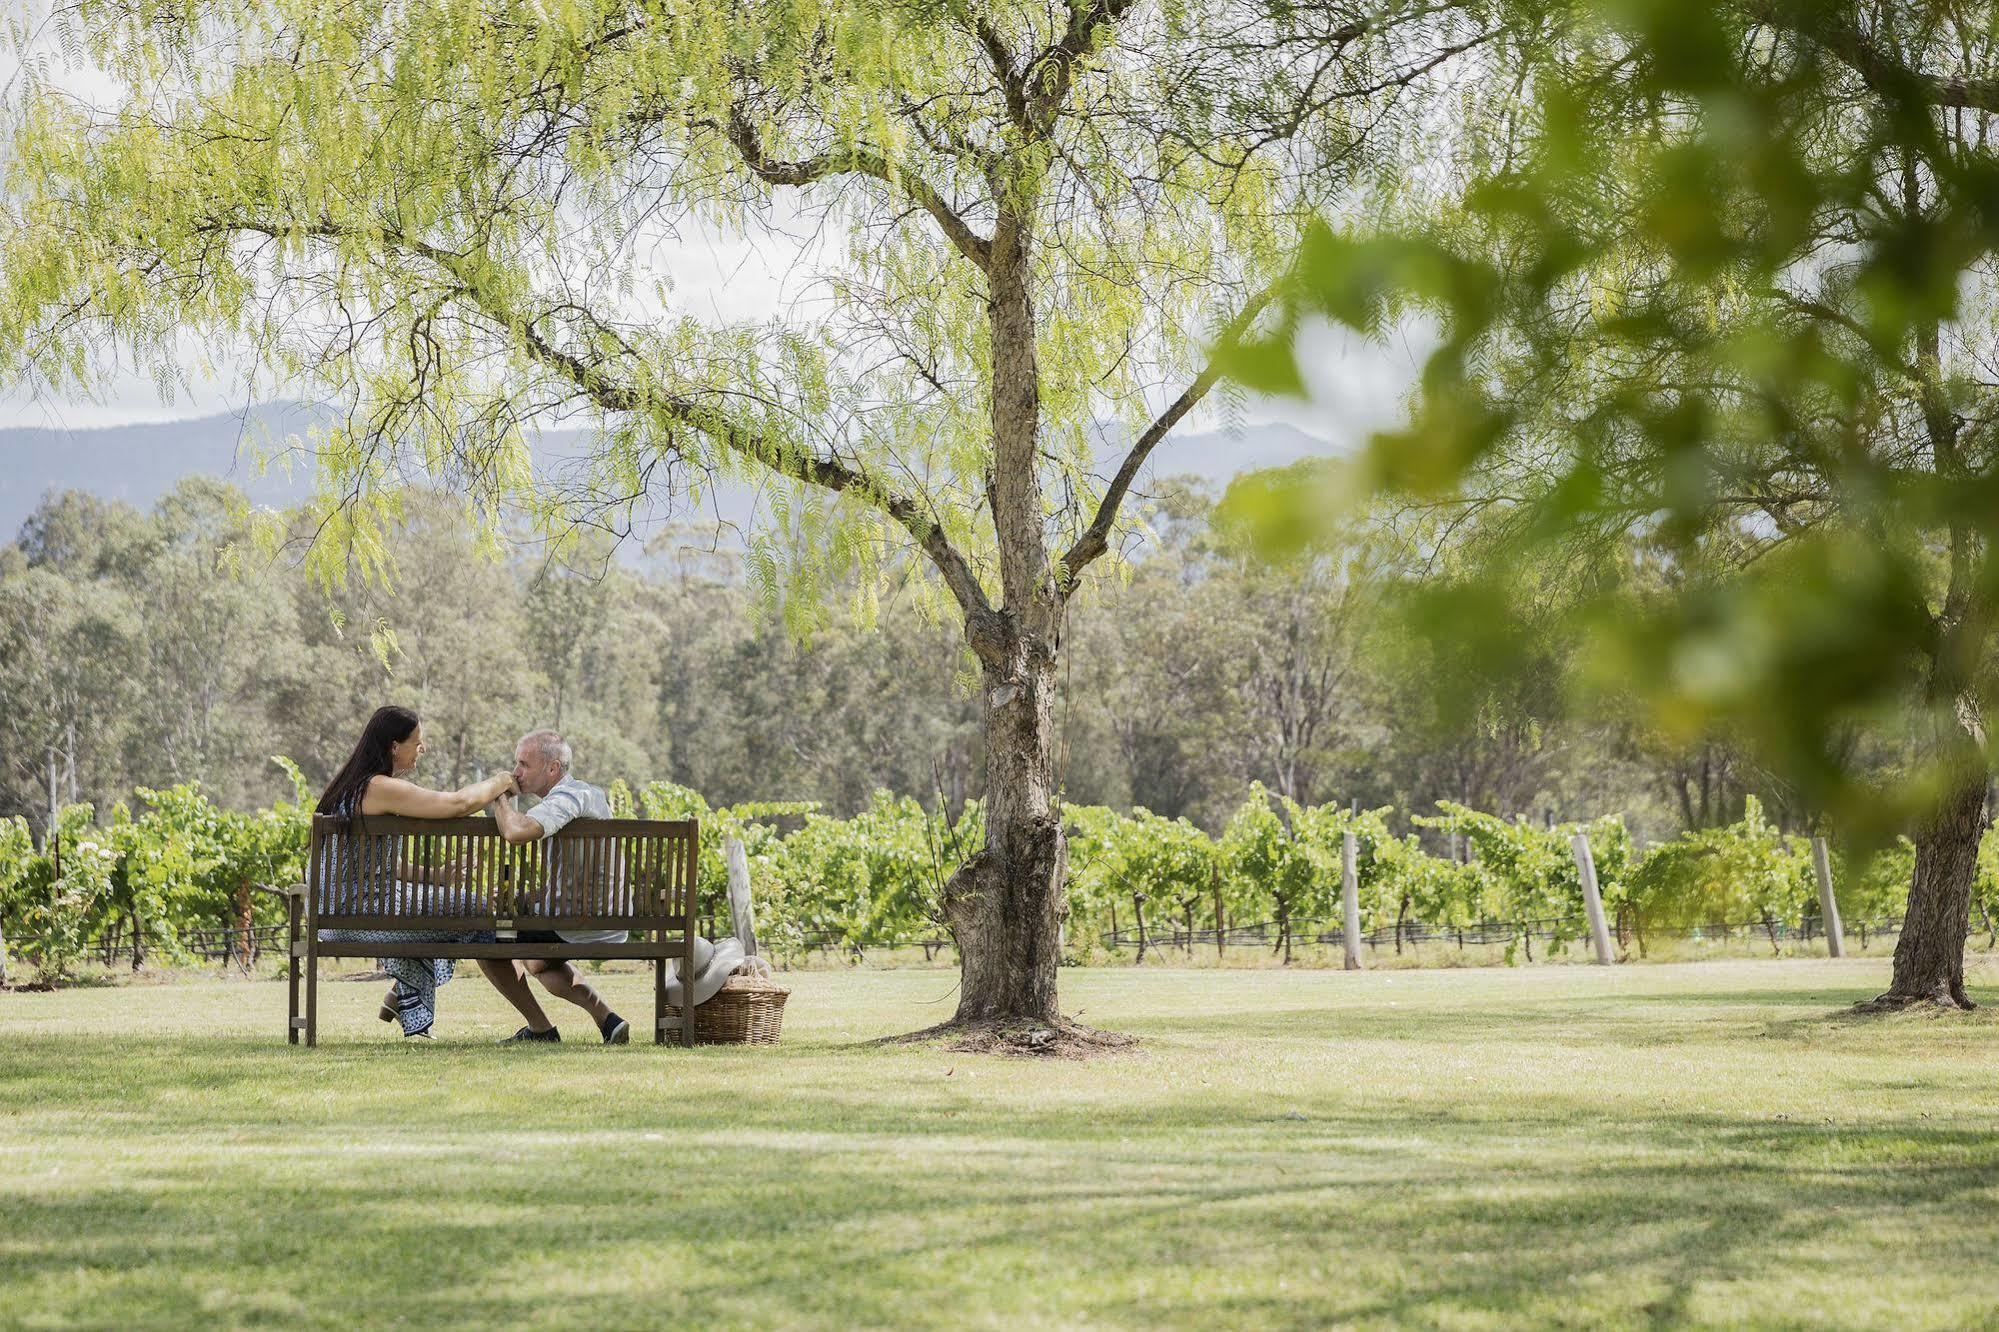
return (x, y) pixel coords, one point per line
(393, 795)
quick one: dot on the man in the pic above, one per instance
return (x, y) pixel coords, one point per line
(541, 768)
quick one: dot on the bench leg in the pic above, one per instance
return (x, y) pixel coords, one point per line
(291, 972)
(311, 992)
(659, 1001)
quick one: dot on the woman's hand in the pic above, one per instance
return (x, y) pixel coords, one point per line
(482, 794)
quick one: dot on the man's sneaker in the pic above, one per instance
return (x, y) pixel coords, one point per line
(528, 1035)
(616, 1030)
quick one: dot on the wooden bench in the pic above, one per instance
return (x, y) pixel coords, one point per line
(616, 874)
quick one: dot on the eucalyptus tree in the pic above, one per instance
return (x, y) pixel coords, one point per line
(1030, 218)
(1722, 290)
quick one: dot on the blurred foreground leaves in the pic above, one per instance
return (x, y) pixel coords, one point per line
(1713, 382)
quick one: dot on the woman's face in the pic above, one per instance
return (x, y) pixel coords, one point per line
(404, 753)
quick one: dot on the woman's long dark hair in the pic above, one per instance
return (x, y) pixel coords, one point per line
(371, 758)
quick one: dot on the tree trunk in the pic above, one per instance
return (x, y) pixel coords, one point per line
(1005, 905)
(1929, 957)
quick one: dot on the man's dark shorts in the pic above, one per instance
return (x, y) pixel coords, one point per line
(542, 936)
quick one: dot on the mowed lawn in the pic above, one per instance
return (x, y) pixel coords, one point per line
(1664, 1145)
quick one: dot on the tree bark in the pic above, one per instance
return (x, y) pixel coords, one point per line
(1005, 905)
(1929, 957)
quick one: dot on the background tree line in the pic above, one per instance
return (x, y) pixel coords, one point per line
(151, 649)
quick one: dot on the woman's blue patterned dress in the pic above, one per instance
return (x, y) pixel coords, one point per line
(364, 871)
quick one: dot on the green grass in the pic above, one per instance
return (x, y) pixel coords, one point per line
(1699, 1144)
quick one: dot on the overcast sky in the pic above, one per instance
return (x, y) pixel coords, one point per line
(1357, 386)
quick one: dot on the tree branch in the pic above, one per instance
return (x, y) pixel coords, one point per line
(1878, 68)
(1055, 67)
(604, 390)
(1096, 537)
(859, 161)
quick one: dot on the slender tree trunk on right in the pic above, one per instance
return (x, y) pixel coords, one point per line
(1929, 955)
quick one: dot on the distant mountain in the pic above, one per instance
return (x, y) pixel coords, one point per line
(140, 463)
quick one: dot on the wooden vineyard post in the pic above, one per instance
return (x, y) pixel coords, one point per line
(1221, 924)
(739, 895)
(1599, 933)
(1835, 935)
(1350, 898)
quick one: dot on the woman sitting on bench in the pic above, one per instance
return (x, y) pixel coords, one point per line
(374, 781)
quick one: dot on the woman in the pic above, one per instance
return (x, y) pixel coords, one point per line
(373, 781)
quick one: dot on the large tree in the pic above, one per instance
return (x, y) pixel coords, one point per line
(1725, 292)
(1032, 219)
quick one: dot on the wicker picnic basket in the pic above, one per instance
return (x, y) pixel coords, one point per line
(747, 1010)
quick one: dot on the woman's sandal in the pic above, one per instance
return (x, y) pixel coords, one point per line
(388, 1010)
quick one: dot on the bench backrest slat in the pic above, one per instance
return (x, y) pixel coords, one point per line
(624, 873)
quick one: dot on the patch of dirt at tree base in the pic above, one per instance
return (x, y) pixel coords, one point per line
(1022, 1038)
(1923, 1005)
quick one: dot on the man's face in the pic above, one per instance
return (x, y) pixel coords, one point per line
(535, 773)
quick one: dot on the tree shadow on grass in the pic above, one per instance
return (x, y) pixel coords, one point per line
(1479, 1222)
(1578, 1023)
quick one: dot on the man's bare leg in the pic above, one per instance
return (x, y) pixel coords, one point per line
(505, 973)
(561, 980)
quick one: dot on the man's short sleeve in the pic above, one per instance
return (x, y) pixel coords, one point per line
(557, 809)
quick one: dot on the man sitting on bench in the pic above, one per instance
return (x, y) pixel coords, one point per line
(541, 768)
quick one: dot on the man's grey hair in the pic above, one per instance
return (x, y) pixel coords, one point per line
(550, 745)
